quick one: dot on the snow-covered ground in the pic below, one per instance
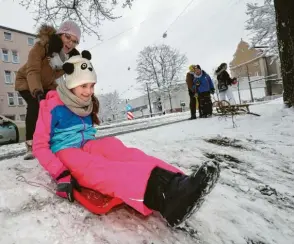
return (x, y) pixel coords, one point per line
(253, 202)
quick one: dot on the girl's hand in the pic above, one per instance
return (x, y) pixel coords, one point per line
(66, 184)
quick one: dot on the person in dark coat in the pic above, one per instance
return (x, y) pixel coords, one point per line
(192, 92)
(225, 83)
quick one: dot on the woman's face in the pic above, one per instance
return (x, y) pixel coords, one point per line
(69, 42)
(84, 91)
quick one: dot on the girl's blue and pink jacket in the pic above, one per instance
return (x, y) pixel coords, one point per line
(66, 141)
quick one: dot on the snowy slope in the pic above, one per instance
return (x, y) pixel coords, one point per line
(252, 204)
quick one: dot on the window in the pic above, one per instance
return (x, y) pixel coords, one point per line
(8, 77)
(10, 96)
(7, 36)
(12, 117)
(20, 99)
(22, 117)
(15, 57)
(5, 55)
(31, 41)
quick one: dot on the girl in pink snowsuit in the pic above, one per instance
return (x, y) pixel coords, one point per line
(65, 145)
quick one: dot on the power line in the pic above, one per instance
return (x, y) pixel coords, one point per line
(187, 6)
(119, 34)
(133, 27)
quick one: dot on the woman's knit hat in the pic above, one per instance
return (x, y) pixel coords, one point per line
(79, 70)
(192, 67)
(198, 67)
(71, 28)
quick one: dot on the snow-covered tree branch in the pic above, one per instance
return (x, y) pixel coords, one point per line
(161, 67)
(87, 13)
(109, 105)
(262, 25)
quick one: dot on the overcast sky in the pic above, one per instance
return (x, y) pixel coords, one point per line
(208, 32)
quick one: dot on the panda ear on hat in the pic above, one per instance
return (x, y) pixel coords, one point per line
(86, 54)
(68, 68)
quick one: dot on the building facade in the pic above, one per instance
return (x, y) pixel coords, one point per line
(144, 105)
(251, 64)
(14, 48)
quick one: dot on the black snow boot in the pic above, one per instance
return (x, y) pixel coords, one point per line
(193, 117)
(178, 196)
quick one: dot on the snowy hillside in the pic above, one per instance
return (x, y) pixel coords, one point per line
(252, 204)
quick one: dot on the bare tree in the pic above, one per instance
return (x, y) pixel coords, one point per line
(262, 25)
(87, 13)
(161, 67)
(110, 105)
(285, 31)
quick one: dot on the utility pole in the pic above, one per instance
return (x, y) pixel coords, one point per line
(150, 109)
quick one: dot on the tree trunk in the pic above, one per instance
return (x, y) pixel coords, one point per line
(285, 33)
(170, 102)
(162, 97)
(148, 94)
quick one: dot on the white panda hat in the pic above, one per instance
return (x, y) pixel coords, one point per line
(79, 70)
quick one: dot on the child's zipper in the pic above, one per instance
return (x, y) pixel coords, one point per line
(82, 132)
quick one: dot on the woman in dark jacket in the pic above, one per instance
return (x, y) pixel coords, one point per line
(224, 84)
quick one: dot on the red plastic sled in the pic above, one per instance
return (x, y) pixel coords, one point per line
(96, 202)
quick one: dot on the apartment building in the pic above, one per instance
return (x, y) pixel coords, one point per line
(14, 48)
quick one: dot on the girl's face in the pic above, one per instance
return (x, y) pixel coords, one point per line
(84, 91)
(69, 42)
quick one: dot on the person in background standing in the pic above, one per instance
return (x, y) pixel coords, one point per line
(43, 68)
(192, 92)
(225, 83)
(204, 87)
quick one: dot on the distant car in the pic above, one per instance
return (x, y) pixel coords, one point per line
(9, 132)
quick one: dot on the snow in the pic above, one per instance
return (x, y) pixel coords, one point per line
(246, 96)
(253, 203)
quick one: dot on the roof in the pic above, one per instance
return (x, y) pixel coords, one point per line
(18, 31)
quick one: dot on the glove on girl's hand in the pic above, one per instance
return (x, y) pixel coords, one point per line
(66, 185)
(39, 95)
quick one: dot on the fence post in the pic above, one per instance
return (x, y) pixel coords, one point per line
(239, 92)
(251, 94)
